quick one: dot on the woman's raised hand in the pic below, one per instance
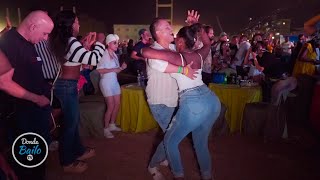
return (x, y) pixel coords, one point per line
(193, 17)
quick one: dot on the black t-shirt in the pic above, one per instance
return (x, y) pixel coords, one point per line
(233, 49)
(273, 67)
(137, 47)
(26, 62)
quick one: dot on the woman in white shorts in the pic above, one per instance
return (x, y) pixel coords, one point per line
(108, 68)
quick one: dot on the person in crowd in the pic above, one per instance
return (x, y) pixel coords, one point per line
(22, 81)
(268, 42)
(255, 70)
(139, 63)
(295, 52)
(222, 60)
(234, 46)
(207, 64)
(50, 69)
(198, 106)
(223, 37)
(108, 67)
(275, 73)
(130, 47)
(162, 89)
(241, 53)
(286, 47)
(71, 55)
(256, 38)
(306, 61)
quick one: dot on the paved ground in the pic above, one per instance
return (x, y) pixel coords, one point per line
(234, 157)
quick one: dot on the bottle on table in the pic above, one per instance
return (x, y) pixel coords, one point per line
(139, 78)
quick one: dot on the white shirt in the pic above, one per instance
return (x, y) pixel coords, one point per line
(108, 62)
(241, 53)
(286, 47)
(161, 88)
(207, 64)
(78, 55)
(186, 83)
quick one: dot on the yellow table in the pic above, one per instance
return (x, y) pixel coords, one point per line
(134, 114)
(235, 99)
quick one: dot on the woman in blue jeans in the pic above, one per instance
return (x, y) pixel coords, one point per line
(199, 107)
(71, 55)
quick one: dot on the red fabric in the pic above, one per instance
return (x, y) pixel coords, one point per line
(82, 80)
(315, 109)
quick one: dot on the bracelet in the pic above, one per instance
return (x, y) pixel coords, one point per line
(180, 69)
(186, 71)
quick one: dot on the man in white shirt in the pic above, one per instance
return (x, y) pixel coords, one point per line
(286, 47)
(162, 89)
(241, 53)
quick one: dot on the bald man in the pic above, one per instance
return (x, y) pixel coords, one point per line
(22, 85)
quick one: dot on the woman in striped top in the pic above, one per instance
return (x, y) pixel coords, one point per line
(71, 54)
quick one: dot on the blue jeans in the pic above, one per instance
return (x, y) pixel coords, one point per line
(70, 144)
(199, 109)
(162, 114)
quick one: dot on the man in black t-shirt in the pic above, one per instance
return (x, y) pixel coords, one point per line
(21, 79)
(139, 63)
(274, 69)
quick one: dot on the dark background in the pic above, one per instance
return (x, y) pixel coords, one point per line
(233, 14)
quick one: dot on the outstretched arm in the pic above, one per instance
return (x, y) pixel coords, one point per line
(204, 51)
(174, 57)
(310, 25)
(165, 55)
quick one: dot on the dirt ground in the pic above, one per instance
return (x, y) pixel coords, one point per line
(234, 157)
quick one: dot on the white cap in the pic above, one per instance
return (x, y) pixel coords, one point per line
(112, 37)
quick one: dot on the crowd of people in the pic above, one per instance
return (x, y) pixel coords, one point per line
(46, 57)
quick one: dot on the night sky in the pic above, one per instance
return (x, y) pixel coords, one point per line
(233, 14)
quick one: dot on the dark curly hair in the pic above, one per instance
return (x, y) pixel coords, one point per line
(189, 34)
(61, 33)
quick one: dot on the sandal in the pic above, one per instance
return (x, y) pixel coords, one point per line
(89, 153)
(76, 167)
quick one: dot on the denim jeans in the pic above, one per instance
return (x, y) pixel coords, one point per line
(70, 144)
(162, 114)
(198, 109)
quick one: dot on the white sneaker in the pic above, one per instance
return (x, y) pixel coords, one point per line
(156, 174)
(107, 133)
(113, 127)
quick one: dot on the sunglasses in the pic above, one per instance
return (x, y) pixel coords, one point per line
(114, 42)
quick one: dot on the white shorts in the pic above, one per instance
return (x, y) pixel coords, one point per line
(109, 88)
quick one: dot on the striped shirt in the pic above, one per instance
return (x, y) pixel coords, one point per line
(77, 54)
(50, 66)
